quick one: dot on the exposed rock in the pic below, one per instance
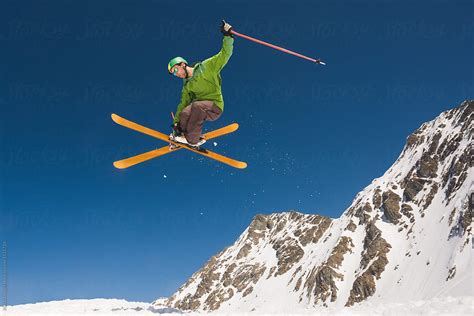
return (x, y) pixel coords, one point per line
(321, 283)
(451, 217)
(377, 198)
(463, 223)
(367, 208)
(456, 174)
(258, 227)
(451, 273)
(412, 187)
(280, 226)
(351, 226)
(244, 251)
(227, 276)
(448, 146)
(298, 284)
(427, 166)
(215, 299)
(247, 274)
(430, 196)
(374, 244)
(376, 248)
(327, 237)
(391, 206)
(295, 216)
(337, 256)
(295, 273)
(466, 219)
(270, 273)
(257, 230)
(247, 291)
(407, 210)
(467, 108)
(363, 287)
(415, 139)
(350, 210)
(187, 303)
(237, 276)
(208, 277)
(362, 213)
(288, 253)
(319, 224)
(435, 142)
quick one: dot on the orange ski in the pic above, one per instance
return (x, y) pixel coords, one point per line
(145, 130)
(128, 162)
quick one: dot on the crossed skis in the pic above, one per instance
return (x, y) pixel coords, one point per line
(128, 162)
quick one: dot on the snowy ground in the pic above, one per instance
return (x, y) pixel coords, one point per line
(107, 307)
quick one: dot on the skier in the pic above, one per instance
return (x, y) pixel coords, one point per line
(201, 100)
(201, 96)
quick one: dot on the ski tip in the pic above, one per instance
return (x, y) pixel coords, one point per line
(118, 165)
(114, 117)
(241, 165)
(117, 118)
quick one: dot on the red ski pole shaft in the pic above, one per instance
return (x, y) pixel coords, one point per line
(318, 61)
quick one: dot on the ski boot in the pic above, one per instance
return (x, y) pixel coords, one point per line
(182, 140)
(201, 142)
(178, 136)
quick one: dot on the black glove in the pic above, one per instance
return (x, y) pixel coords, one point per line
(226, 29)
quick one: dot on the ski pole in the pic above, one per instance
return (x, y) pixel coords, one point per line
(318, 61)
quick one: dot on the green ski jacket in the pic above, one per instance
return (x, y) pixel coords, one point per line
(205, 84)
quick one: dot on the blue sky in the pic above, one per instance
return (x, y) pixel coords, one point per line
(312, 136)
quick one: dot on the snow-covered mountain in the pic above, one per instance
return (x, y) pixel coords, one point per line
(113, 307)
(406, 236)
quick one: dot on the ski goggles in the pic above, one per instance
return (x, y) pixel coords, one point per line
(175, 71)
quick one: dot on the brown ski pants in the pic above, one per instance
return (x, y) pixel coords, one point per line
(192, 117)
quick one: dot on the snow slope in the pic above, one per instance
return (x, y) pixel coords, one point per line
(114, 307)
(88, 307)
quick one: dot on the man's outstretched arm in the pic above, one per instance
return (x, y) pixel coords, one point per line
(218, 61)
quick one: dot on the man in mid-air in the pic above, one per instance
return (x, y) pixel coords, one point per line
(201, 96)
